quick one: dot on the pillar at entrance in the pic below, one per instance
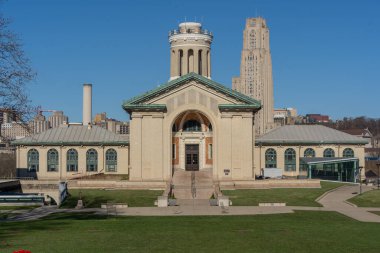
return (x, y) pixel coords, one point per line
(191, 46)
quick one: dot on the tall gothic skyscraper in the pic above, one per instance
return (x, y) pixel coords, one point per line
(256, 71)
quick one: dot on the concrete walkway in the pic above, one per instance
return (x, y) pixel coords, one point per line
(334, 200)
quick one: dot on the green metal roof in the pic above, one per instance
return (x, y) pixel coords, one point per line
(127, 105)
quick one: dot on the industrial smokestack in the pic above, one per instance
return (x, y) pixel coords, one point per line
(87, 104)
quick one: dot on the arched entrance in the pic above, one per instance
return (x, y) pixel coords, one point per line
(192, 142)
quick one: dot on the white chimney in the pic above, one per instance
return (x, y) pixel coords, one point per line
(87, 104)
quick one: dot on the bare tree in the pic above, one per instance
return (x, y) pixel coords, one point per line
(15, 73)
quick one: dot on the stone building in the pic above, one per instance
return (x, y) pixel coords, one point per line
(192, 123)
(71, 151)
(256, 78)
(310, 151)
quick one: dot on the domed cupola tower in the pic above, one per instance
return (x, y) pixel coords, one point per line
(190, 50)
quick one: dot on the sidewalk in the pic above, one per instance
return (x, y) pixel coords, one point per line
(337, 201)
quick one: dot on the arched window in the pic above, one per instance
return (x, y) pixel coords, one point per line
(33, 160)
(72, 160)
(192, 126)
(348, 152)
(52, 160)
(309, 152)
(111, 160)
(91, 160)
(290, 160)
(270, 158)
(328, 153)
(210, 127)
(174, 128)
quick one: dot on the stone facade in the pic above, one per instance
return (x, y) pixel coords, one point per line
(61, 172)
(190, 50)
(259, 162)
(157, 123)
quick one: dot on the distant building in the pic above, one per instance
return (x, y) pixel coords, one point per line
(57, 119)
(15, 130)
(285, 116)
(317, 118)
(255, 78)
(39, 123)
(113, 125)
(7, 116)
(362, 133)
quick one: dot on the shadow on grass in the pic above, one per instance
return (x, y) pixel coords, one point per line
(55, 222)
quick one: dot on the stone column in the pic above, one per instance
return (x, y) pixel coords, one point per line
(196, 60)
(204, 63)
(178, 62)
(209, 64)
(172, 63)
(185, 65)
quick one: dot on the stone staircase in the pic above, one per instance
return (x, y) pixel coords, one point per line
(193, 184)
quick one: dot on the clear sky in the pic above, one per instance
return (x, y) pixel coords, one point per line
(325, 54)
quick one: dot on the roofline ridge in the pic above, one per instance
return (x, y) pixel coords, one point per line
(192, 75)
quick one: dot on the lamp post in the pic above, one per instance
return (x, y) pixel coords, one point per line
(360, 179)
(378, 175)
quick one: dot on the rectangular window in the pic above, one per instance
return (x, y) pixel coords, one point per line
(174, 155)
(209, 151)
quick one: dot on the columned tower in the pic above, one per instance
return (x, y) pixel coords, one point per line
(256, 72)
(190, 49)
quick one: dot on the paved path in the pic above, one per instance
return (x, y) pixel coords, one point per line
(336, 200)
(332, 201)
(43, 211)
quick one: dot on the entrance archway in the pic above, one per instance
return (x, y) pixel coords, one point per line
(192, 142)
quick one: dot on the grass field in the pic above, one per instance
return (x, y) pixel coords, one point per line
(299, 232)
(367, 199)
(94, 197)
(290, 196)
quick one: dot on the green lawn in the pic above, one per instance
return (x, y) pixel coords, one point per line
(94, 197)
(298, 232)
(290, 196)
(367, 199)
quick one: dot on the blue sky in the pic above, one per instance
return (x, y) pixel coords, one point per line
(325, 54)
